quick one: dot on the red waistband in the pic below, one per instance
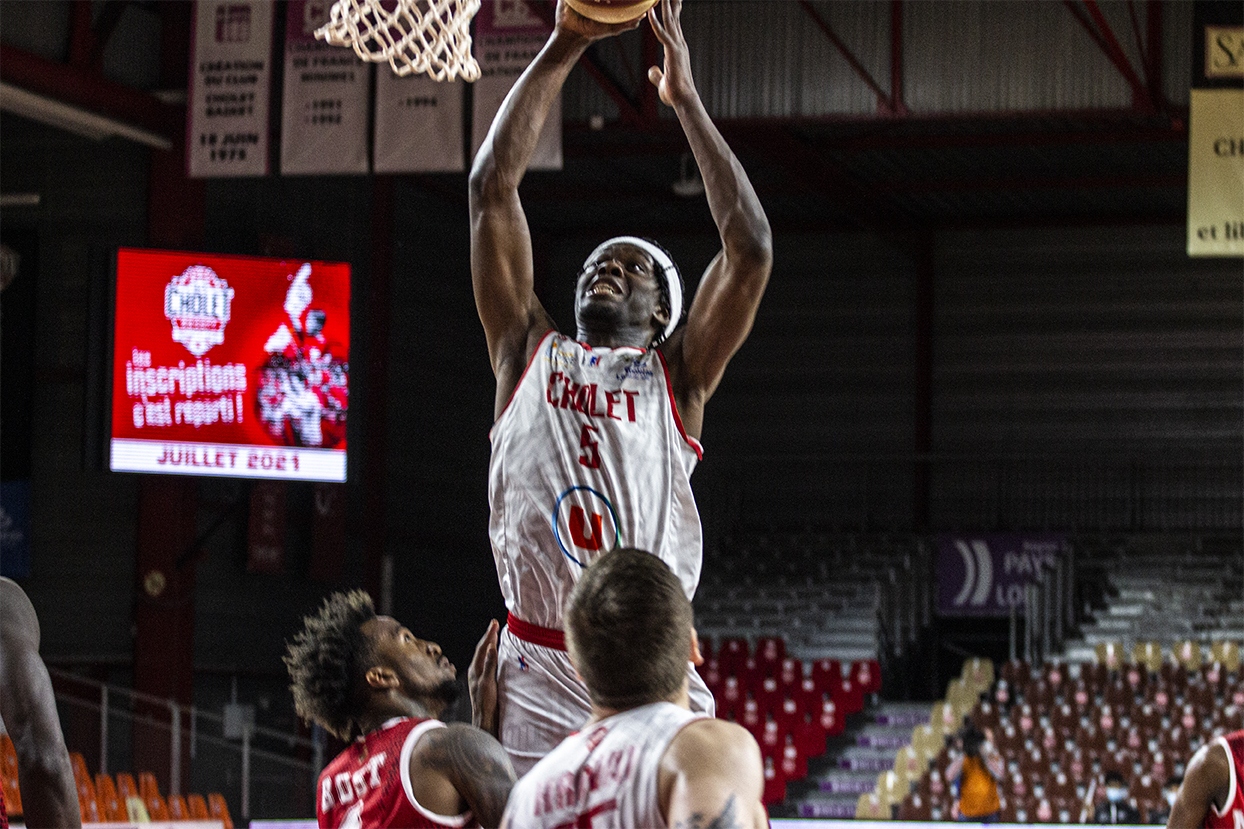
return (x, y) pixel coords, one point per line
(536, 635)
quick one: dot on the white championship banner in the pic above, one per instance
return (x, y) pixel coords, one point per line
(418, 124)
(507, 36)
(227, 459)
(230, 78)
(324, 99)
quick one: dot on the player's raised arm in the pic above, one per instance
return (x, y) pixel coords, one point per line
(501, 264)
(1206, 784)
(460, 764)
(729, 293)
(711, 775)
(28, 707)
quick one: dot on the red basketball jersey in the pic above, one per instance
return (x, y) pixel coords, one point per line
(368, 784)
(1232, 814)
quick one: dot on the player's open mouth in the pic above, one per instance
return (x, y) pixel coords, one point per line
(603, 288)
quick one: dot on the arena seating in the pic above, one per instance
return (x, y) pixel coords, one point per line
(791, 709)
(117, 798)
(792, 624)
(1154, 594)
(1062, 726)
(823, 594)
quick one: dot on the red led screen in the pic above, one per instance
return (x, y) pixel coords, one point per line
(230, 365)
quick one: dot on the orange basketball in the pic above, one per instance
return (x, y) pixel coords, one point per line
(611, 11)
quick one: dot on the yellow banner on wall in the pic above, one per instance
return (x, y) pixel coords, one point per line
(1216, 173)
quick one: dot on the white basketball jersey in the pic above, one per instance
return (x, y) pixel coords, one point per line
(605, 776)
(588, 455)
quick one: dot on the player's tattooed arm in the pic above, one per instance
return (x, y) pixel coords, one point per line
(728, 818)
(711, 777)
(462, 762)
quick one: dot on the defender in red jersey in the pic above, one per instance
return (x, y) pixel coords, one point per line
(1212, 795)
(28, 707)
(367, 678)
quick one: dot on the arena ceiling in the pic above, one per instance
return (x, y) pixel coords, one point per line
(889, 170)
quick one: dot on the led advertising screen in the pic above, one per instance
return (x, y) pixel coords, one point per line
(230, 365)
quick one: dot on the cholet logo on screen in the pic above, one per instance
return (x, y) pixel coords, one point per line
(197, 303)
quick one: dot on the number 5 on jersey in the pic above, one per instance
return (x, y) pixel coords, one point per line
(590, 456)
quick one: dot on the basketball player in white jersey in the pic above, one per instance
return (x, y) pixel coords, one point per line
(367, 679)
(643, 759)
(596, 435)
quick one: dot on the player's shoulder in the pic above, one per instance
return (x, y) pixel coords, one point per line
(706, 745)
(1211, 762)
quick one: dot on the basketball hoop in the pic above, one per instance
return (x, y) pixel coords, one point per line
(432, 36)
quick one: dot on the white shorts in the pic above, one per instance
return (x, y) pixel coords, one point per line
(542, 700)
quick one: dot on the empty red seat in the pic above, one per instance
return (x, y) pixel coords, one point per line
(775, 783)
(732, 653)
(810, 735)
(827, 674)
(771, 738)
(867, 675)
(788, 713)
(794, 765)
(770, 650)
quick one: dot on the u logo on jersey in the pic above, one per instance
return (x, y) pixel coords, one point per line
(584, 522)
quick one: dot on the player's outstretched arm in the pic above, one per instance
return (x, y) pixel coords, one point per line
(459, 767)
(729, 292)
(28, 707)
(1205, 786)
(712, 776)
(501, 264)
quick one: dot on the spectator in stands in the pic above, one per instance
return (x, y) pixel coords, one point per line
(367, 679)
(977, 766)
(1170, 789)
(28, 708)
(1117, 808)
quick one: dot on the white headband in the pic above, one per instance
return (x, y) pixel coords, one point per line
(673, 279)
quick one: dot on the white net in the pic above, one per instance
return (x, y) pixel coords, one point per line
(432, 36)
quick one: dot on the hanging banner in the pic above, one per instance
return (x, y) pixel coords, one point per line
(324, 100)
(985, 575)
(418, 124)
(265, 542)
(230, 75)
(507, 37)
(1216, 132)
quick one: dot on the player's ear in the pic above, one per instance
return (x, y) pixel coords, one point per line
(696, 657)
(380, 677)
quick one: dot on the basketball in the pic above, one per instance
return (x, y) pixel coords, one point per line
(611, 11)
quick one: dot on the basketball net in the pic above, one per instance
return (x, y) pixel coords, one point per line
(432, 36)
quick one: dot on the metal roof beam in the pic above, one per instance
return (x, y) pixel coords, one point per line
(88, 90)
(1098, 28)
(885, 102)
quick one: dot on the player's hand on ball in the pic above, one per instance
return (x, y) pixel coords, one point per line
(674, 83)
(482, 680)
(570, 20)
